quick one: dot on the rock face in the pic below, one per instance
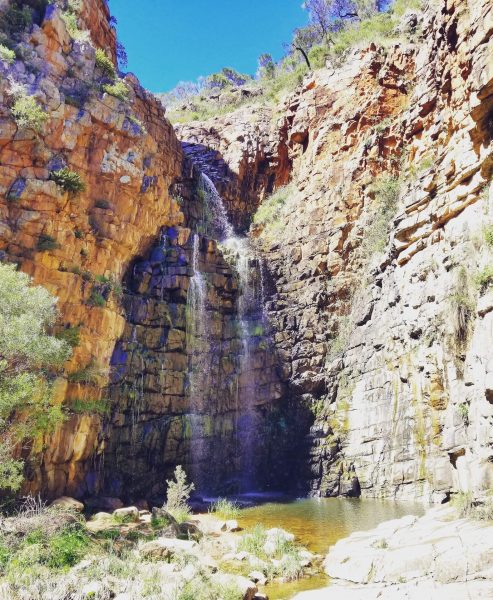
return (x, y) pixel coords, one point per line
(119, 254)
(238, 153)
(411, 559)
(179, 381)
(379, 381)
(383, 334)
(69, 241)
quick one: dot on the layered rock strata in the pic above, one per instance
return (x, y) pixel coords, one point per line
(180, 382)
(374, 256)
(127, 155)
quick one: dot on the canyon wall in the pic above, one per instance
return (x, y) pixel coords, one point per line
(127, 155)
(378, 257)
(155, 380)
(372, 375)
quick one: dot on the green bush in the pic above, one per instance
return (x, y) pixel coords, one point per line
(89, 407)
(67, 548)
(119, 90)
(375, 29)
(386, 190)
(253, 541)
(283, 560)
(469, 507)
(46, 243)
(28, 114)
(96, 298)
(484, 278)
(204, 588)
(6, 54)
(160, 522)
(268, 213)
(71, 21)
(105, 64)
(463, 410)
(488, 235)
(68, 180)
(462, 310)
(177, 495)
(15, 19)
(88, 374)
(399, 7)
(27, 355)
(318, 56)
(225, 509)
(70, 335)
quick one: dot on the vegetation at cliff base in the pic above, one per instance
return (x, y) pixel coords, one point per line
(30, 359)
(178, 494)
(225, 509)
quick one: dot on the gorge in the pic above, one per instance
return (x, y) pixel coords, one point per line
(290, 296)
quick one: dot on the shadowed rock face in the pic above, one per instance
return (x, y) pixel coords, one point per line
(380, 328)
(179, 384)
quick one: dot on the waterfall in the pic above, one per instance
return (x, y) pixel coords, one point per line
(215, 216)
(250, 327)
(251, 321)
(197, 340)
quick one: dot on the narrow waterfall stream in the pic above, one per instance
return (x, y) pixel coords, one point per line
(251, 326)
(238, 252)
(198, 344)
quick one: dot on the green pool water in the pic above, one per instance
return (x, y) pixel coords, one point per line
(317, 524)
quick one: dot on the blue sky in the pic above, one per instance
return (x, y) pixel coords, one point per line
(168, 41)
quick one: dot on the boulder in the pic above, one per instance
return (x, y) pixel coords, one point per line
(190, 530)
(67, 503)
(257, 577)
(165, 548)
(128, 514)
(101, 521)
(276, 533)
(231, 525)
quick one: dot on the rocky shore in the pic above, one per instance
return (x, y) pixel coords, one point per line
(428, 558)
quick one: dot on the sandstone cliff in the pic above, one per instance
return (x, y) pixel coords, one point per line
(118, 252)
(127, 155)
(375, 256)
(373, 376)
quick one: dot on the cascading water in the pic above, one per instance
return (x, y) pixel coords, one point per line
(198, 346)
(250, 318)
(215, 217)
(252, 323)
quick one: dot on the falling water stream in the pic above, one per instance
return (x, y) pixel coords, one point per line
(198, 344)
(250, 324)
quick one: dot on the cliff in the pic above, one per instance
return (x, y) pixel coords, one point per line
(374, 256)
(369, 188)
(127, 155)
